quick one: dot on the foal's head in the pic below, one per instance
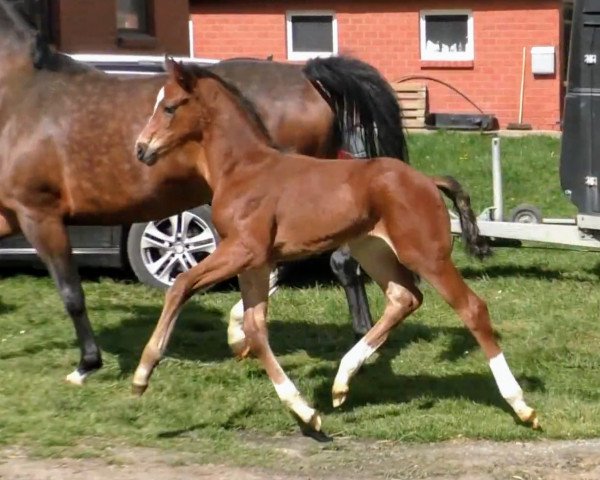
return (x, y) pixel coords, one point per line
(178, 115)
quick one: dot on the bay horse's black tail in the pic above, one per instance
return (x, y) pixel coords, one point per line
(475, 244)
(360, 96)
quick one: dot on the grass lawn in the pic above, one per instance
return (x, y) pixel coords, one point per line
(430, 382)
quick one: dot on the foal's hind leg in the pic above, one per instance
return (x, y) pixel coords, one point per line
(236, 338)
(474, 313)
(402, 298)
(254, 285)
(48, 235)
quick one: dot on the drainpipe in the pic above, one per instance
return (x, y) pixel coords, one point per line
(191, 36)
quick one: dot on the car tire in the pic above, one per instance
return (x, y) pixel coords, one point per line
(158, 251)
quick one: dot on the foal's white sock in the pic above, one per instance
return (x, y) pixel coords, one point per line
(508, 386)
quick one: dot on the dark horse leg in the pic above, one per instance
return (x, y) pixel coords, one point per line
(345, 268)
(368, 125)
(347, 271)
(49, 237)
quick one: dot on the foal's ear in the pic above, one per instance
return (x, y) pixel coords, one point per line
(178, 72)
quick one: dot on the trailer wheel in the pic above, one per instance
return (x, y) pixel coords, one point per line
(526, 213)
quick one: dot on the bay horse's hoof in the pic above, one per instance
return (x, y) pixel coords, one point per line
(138, 390)
(77, 378)
(339, 394)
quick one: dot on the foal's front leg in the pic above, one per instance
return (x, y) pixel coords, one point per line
(226, 261)
(254, 285)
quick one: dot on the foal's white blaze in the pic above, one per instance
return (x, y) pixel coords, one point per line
(351, 362)
(510, 389)
(159, 98)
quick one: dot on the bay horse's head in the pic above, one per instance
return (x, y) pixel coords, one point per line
(177, 115)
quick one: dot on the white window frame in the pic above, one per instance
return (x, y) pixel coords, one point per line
(291, 54)
(469, 54)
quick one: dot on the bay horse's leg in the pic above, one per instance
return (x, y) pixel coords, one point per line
(402, 298)
(229, 258)
(347, 271)
(254, 285)
(48, 235)
(473, 311)
(236, 338)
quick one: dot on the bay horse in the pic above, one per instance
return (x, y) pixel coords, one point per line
(65, 158)
(391, 217)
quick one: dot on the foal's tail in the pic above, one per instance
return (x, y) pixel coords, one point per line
(360, 97)
(475, 244)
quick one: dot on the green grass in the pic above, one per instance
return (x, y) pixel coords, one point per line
(429, 383)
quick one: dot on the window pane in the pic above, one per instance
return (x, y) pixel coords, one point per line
(312, 33)
(446, 33)
(131, 15)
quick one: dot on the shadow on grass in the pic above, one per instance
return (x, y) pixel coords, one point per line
(201, 335)
(376, 384)
(536, 272)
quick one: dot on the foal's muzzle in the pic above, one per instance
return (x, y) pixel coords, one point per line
(145, 153)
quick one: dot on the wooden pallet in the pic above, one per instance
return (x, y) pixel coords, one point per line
(412, 98)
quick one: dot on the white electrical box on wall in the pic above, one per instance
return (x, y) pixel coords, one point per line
(542, 60)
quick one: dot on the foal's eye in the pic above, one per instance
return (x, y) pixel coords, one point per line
(170, 110)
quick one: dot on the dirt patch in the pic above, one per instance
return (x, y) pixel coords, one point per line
(343, 459)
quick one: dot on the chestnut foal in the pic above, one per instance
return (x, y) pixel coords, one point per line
(270, 206)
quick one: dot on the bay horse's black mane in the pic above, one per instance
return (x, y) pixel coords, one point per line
(14, 19)
(245, 103)
(44, 57)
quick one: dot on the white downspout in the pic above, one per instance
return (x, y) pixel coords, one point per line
(191, 37)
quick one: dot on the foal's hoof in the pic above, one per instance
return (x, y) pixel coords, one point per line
(533, 420)
(339, 394)
(312, 428)
(315, 422)
(241, 349)
(138, 390)
(529, 417)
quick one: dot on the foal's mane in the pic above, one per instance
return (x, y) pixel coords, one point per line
(246, 105)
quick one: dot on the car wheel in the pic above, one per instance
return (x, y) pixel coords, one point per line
(159, 251)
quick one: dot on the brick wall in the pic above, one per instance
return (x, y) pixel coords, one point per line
(90, 26)
(386, 34)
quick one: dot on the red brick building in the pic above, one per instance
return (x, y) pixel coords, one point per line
(474, 45)
(113, 26)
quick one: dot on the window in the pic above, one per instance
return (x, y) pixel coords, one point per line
(132, 15)
(447, 35)
(311, 34)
